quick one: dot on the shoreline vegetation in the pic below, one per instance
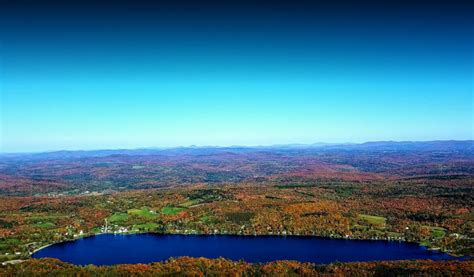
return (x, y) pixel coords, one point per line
(47, 245)
(222, 267)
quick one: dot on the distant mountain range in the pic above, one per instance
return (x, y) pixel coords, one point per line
(438, 145)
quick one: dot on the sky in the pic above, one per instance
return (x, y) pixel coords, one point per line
(129, 74)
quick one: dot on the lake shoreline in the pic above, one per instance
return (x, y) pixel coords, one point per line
(241, 235)
(203, 234)
(288, 239)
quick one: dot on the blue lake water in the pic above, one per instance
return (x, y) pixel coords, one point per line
(110, 249)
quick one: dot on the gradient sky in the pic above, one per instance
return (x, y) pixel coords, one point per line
(126, 74)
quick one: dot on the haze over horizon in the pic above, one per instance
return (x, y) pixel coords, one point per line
(121, 74)
(250, 146)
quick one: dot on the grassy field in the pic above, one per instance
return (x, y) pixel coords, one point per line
(437, 232)
(47, 221)
(172, 210)
(45, 224)
(118, 217)
(143, 212)
(145, 227)
(377, 221)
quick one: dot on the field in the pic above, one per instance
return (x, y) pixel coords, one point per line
(172, 210)
(378, 221)
(118, 217)
(142, 212)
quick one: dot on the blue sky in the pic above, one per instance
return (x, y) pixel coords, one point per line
(88, 76)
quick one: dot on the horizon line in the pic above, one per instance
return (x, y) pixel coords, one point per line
(320, 144)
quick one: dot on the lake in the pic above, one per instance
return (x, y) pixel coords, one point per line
(108, 249)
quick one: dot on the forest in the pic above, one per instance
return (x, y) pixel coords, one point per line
(420, 193)
(186, 266)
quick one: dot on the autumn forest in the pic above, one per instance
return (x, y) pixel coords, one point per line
(414, 192)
